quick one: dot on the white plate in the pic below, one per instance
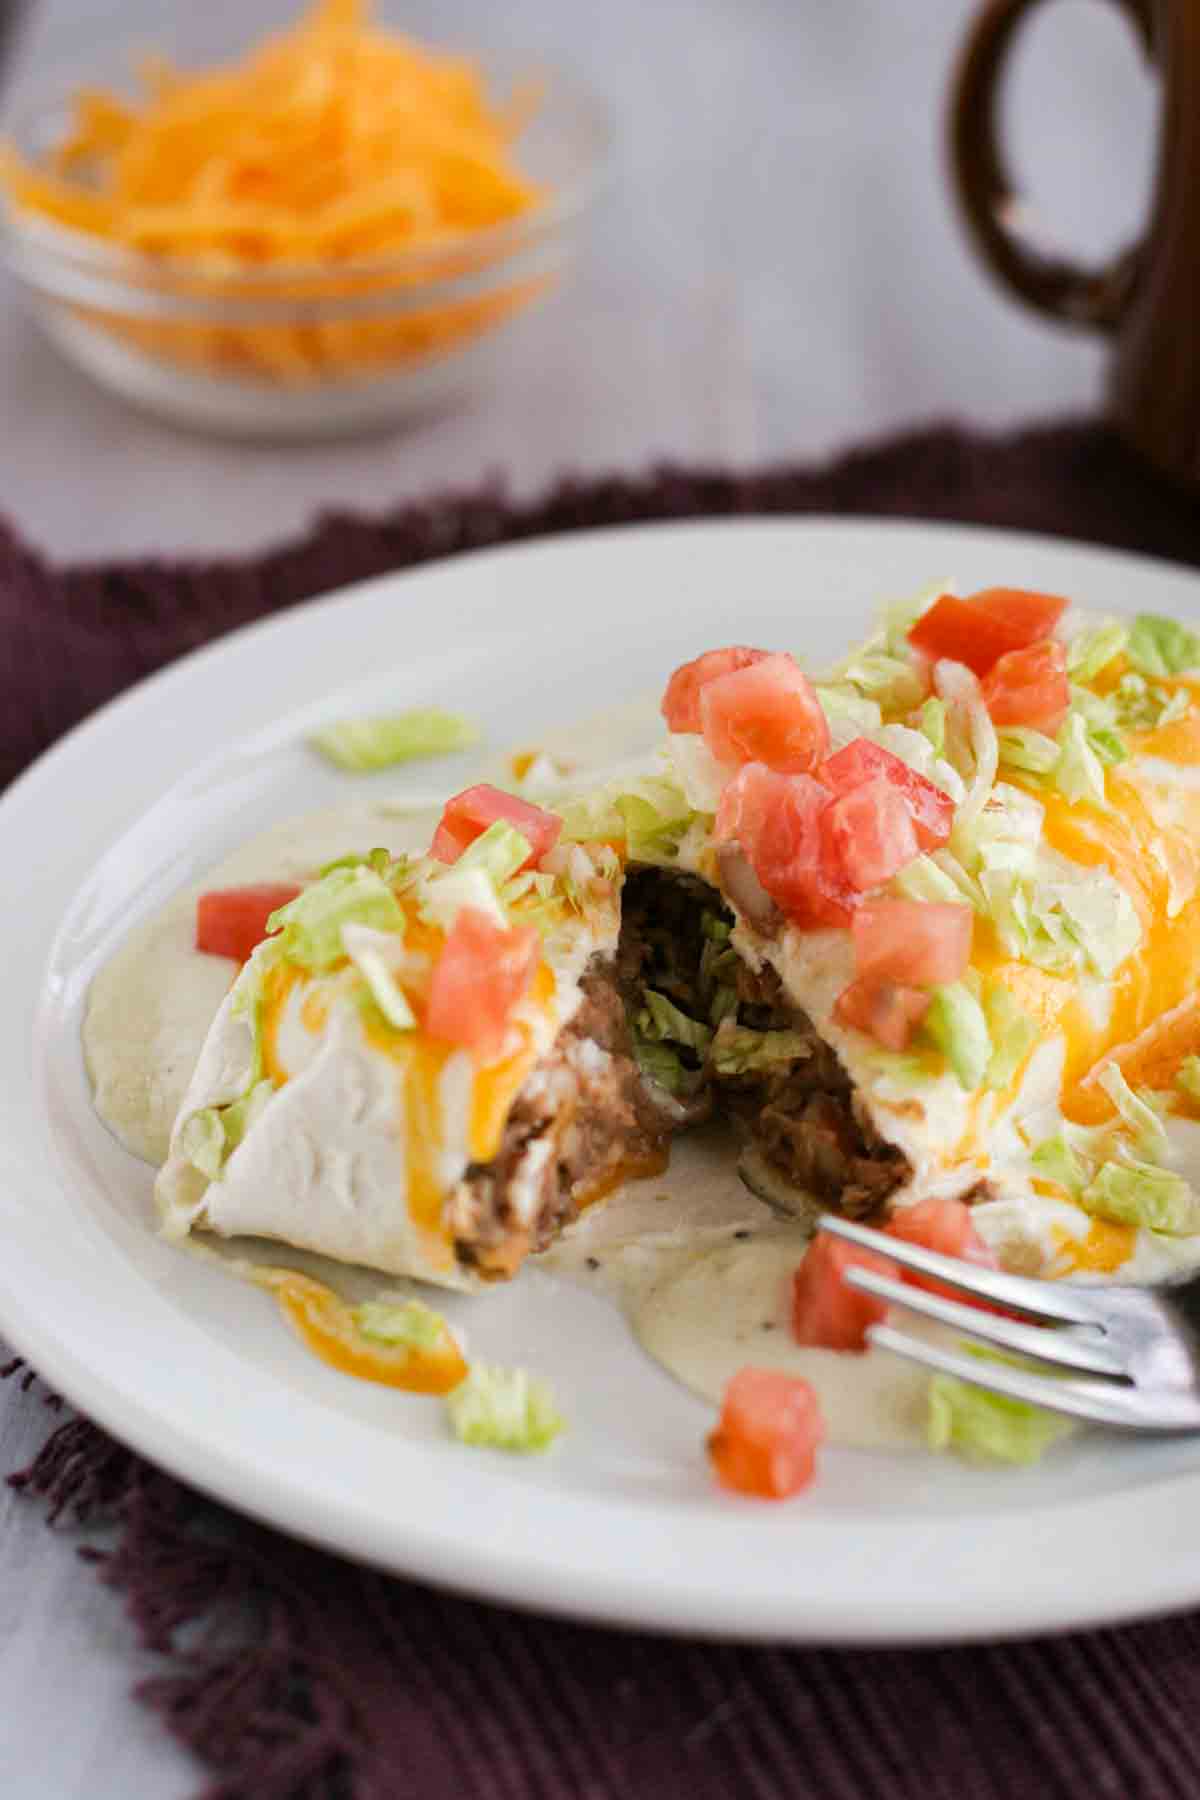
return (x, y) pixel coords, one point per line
(621, 1522)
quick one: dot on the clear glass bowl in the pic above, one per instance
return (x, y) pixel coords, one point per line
(305, 351)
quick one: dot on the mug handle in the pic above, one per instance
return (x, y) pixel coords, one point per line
(993, 208)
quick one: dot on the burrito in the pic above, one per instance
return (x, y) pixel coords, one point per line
(925, 928)
(425, 1066)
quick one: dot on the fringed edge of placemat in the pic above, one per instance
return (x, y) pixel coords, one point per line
(221, 1597)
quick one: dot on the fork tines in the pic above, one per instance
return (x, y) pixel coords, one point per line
(1049, 1301)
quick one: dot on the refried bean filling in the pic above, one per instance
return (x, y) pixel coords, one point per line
(673, 1028)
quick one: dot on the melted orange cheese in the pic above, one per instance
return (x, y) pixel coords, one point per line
(420, 1062)
(1154, 1019)
(497, 1084)
(277, 985)
(325, 1324)
(1105, 1249)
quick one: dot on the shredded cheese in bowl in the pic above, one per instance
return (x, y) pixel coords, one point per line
(338, 202)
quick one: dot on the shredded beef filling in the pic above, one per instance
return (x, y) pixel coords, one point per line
(799, 1113)
(663, 1037)
(583, 1119)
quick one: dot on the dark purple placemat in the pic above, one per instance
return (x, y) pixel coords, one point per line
(292, 1673)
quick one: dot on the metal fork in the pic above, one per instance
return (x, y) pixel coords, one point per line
(1133, 1353)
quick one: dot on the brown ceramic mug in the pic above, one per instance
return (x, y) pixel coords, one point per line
(1148, 298)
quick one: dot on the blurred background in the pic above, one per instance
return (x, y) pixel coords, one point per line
(775, 271)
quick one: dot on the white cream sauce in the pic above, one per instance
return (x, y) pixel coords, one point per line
(702, 1270)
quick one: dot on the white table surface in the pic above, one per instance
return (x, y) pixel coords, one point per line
(777, 273)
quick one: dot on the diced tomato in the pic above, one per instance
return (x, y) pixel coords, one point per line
(1027, 615)
(478, 980)
(869, 834)
(469, 814)
(231, 921)
(860, 761)
(827, 1313)
(914, 942)
(954, 628)
(1029, 687)
(885, 1010)
(681, 702)
(768, 1434)
(947, 1227)
(776, 820)
(767, 712)
(984, 628)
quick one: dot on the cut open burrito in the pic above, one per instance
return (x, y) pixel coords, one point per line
(923, 930)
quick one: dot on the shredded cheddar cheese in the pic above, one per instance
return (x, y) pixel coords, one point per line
(322, 156)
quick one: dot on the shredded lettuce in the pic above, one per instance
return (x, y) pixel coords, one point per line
(538, 896)
(1080, 773)
(379, 860)
(1030, 751)
(1159, 646)
(955, 1023)
(968, 887)
(932, 721)
(1136, 1193)
(443, 897)
(737, 1049)
(240, 1115)
(655, 818)
(662, 1022)
(902, 1070)
(380, 743)
(211, 1135)
(1142, 1119)
(960, 687)
(246, 999)
(924, 879)
(1139, 705)
(483, 878)
(591, 816)
(723, 1005)
(659, 1063)
(1006, 835)
(369, 951)
(504, 1409)
(579, 874)
(1108, 745)
(1098, 915)
(915, 749)
(310, 926)
(202, 1141)
(697, 771)
(847, 713)
(653, 815)
(1061, 1163)
(498, 852)
(892, 681)
(1063, 923)
(1099, 714)
(1187, 1077)
(1013, 1034)
(1093, 650)
(408, 1324)
(989, 1427)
